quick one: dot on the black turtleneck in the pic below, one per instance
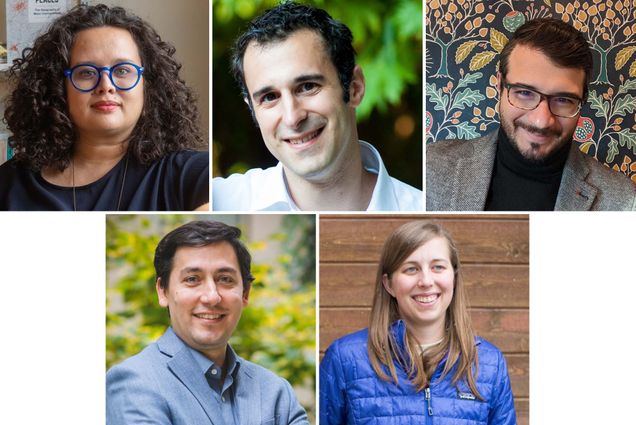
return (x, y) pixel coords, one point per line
(519, 184)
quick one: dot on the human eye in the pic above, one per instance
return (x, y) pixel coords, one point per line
(308, 87)
(267, 98)
(191, 279)
(225, 279)
(409, 269)
(564, 100)
(85, 73)
(523, 93)
(122, 70)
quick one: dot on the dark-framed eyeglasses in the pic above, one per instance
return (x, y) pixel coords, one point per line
(86, 77)
(563, 106)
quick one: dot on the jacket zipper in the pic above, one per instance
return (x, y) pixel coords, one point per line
(427, 392)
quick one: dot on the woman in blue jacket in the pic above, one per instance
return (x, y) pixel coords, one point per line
(419, 361)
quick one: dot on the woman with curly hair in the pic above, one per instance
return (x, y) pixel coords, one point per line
(419, 361)
(101, 120)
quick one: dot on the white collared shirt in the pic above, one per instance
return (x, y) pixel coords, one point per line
(266, 190)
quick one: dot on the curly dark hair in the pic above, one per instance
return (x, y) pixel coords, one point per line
(280, 22)
(37, 111)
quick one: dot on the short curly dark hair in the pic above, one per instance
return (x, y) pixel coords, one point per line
(37, 111)
(280, 22)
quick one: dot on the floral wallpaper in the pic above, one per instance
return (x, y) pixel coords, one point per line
(463, 42)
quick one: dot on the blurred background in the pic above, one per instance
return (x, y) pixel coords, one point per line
(388, 41)
(277, 329)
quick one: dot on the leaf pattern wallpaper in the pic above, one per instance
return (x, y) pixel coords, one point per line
(463, 42)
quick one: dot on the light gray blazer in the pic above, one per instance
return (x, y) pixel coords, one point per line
(164, 385)
(458, 174)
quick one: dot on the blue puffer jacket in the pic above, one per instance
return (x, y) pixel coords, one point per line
(352, 393)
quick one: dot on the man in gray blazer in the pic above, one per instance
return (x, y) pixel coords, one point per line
(531, 163)
(191, 375)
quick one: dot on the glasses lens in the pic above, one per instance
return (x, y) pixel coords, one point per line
(125, 75)
(564, 106)
(524, 98)
(85, 77)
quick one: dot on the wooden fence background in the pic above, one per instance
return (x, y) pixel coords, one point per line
(493, 250)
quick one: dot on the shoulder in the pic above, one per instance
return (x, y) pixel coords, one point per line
(606, 176)
(492, 363)
(349, 347)
(189, 158)
(409, 198)
(138, 367)
(241, 192)
(457, 147)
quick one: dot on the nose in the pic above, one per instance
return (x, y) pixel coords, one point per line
(541, 116)
(105, 85)
(210, 294)
(293, 111)
(426, 279)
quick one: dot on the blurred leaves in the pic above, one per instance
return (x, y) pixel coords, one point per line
(277, 328)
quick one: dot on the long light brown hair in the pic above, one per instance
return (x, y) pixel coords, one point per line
(459, 340)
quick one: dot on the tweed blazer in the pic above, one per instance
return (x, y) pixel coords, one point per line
(163, 385)
(458, 175)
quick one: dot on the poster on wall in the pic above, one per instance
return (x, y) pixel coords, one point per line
(27, 18)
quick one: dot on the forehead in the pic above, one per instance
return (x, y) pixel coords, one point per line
(209, 258)
(278, 63)
(436, 248)
(530, 66)
(103, 44)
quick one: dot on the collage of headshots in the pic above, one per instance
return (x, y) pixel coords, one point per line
(294, 212)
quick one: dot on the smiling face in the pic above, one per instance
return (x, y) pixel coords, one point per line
(538, 133)
(423, 289)
(205, 297)
(105, 112)
(297, 100)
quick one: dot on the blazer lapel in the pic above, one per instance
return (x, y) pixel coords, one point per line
(247, 391)
(184, 366)
(575, 194)
(472, 174)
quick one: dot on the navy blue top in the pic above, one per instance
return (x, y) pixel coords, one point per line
(177, 182)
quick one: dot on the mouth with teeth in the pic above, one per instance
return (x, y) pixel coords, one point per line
(305, 139)
(209, 316)
(426, 299)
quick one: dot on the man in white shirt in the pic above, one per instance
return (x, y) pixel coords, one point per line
(296, 68)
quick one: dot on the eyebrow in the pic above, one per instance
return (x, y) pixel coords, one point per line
(114, 62)
(297, 80)
(561, 93)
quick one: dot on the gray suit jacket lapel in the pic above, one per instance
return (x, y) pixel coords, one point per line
(472, 174)
(575, 194)
(184, 366)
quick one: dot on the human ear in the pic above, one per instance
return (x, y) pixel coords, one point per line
(387, 284)
(499, 83)
(357, 87)
(246, 295)
(161, 294)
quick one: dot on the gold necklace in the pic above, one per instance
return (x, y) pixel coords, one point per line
(121, 189)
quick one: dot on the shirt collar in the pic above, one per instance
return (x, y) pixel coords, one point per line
(232, 361)
(277, 198)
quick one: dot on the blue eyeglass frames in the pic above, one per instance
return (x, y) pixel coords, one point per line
(86, 77)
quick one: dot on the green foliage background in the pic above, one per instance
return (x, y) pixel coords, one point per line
(277, 328)
(388, 40)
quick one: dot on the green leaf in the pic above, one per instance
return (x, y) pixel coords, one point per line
(627, 138)
(469, 79)
(625, 104)
(598, 104)
(437, 96)
(612, 150)
(466, 131)
(466, 98)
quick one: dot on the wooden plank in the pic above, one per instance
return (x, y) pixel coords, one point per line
(360, 239)
(507, 329)
(352, 284)
(519, 371)
(522, 407)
